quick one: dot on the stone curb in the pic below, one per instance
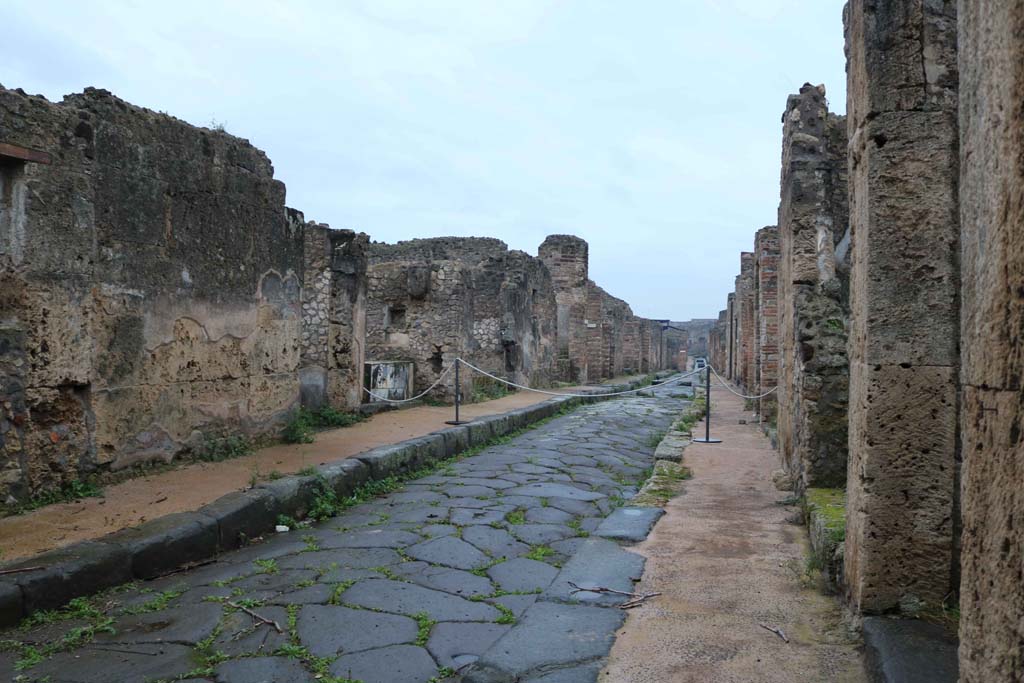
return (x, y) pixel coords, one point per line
(168, 543)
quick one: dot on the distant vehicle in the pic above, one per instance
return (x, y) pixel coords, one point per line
(699, 363)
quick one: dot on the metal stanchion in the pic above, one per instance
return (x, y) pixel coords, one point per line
(458, 398)
(707, 409)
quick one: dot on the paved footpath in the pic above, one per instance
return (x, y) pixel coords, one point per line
(728, 558)
(467, 570)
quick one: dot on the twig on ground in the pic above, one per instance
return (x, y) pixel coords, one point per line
(776, 631)
(635, 599)
(257, 617)
(21, 569)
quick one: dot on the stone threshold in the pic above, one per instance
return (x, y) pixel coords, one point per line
(182, 540)
(909, 651)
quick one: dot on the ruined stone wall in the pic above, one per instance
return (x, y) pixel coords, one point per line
(718, 343)
(333, 315)
(991, 123)
(567, 259)
(766, 252)
(904, 326)
(814, 367)
(151, 289)
(731, 351)
(432, 300)
(746, 298)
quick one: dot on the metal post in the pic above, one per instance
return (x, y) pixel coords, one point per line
(707, 409)
(458, 398)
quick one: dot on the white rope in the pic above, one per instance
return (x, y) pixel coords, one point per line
(418, 396)
(559, 393)
(722, 382)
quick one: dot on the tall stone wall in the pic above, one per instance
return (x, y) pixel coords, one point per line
(567, 259)
(766, 265)
(814, 368)
(746, 300)
(433, 300)
(150, 288)
(991, 121)
(904, 327)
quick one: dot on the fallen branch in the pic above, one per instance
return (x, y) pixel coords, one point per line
(776, 631)
(635, 599)
(18, 571)
(257, 617)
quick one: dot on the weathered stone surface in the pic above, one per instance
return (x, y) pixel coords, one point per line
(395, 664)
(263, 670)
(11, 604)
(66, 573)
(328, 630)
(242, 515)
(404, 598)
(549, 636)
(454, 581)
(522, 575)
(553, 491)
(629, 524)
(240, 637)
(166, 543)
(992, 340)
(188, 624)
(494, 542)
(457, 645)
(130, 663)
(597, 562)
(909, 651)
(449, 551)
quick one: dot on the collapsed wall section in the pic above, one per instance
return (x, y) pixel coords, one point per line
(904, 326)
(814, 367)
(991, 124)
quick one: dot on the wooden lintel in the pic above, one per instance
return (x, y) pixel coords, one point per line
(9, 151)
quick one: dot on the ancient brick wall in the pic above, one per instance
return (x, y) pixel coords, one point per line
(432, 300)
(766, 253)
(746, 298)
(904, 326)
(991, 123)
(731, 351)
(151, 288)
(814, 368)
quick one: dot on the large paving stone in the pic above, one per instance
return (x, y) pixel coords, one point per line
(548, 515)
(469, 491)
(410, 599)
(597, 563)
(328, 630)
(541, 534)
(457, 645)
(549, 636)
(548, 490)
(517, 603)
(449, 551)
(395, 664)
(494, 542)
(631, 524)
(127, 664)
(239, 634)
(262, 670)
(465, 517)
(522, 574)
(377, 537)
(909, 651)
(445, 579)
(187, 624)
(342, 557)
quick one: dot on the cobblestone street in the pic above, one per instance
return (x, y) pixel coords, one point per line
(409, 587)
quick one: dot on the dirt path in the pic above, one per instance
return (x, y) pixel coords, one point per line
(189, 488)
(727, 560)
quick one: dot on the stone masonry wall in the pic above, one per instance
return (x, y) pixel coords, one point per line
(814, 370)
(150, 290)
(746, 298)
(567, 259)
(766, 253)
(904, 328)
(991, 123)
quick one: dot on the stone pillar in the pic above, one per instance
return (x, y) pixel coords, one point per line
(766, 253)
(814, 371)
(992, 342)
(745, 298)
(566, 257)
(904, 326)
(731, 336)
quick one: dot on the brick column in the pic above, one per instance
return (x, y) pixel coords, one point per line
(902, 109)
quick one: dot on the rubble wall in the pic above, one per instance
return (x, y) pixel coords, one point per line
(991, 123)
(814, 367)
(904, 299)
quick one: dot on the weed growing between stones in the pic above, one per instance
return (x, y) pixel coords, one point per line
(424, 623)
(663, 484)
(507, 615)
(158, 602)
(655, 438)
(516, 517)
(84, 609)
(70, 492)
(539, 552)
(266, 566)
(218, 448)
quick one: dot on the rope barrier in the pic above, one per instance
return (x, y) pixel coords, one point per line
(558, 393)
(722, 382)
(414, 398)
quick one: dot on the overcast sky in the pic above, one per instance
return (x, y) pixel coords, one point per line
(649, 128)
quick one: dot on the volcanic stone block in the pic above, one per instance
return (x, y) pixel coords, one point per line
(394, 664)
(410, 599)
(242, 515)
(79, 569)
(293, 495)
(992, 341)
(262, 670)
(597, 562)
(329, 630)
(11, 604)
(345, 476)
(456, 440)
(456, 645)
(167, 543)
(909, 651)
(629, 524)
